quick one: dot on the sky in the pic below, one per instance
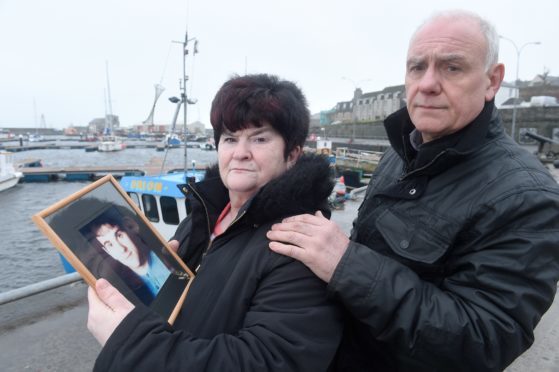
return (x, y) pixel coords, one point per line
(53, 54)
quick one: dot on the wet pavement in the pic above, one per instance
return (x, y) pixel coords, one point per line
(47, 332)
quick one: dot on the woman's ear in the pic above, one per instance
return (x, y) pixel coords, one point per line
(293, 156)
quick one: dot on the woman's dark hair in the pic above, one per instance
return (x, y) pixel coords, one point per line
(114, 218)
(256, 99)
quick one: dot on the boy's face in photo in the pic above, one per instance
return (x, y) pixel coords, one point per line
(117, 243)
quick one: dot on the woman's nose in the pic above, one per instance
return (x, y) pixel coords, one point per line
(242, 149)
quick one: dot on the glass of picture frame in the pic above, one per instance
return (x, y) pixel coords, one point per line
(103, 234)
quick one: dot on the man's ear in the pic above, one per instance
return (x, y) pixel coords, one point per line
(131, 225)
(495, 75)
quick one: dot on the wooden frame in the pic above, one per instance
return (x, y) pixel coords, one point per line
(102, 233)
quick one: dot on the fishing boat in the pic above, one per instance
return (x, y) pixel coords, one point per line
(160, 198)
(9, 177)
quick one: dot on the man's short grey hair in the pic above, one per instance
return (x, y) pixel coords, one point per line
(487, 29)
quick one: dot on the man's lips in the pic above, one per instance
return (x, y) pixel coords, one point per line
(430, 107)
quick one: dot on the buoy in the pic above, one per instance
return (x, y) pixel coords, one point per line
(339, 188)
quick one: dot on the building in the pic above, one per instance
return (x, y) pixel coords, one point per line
(197, 128)
(98, 125)
(506, 94)
(368, 107)
(375, 106)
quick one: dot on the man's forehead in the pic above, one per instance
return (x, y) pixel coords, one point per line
(423, 57)
(447, 35)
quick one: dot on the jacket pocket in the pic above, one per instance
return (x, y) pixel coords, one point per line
(410, 238)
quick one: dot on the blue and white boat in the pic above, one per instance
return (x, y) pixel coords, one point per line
(160, 199)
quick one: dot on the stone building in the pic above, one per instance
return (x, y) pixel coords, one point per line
(369, 107)
(378, 105)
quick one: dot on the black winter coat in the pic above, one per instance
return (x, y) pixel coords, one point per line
(455, 253)
(248, 308)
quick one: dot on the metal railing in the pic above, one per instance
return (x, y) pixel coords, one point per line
(36, 288)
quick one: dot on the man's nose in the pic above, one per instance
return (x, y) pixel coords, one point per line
(429, 82)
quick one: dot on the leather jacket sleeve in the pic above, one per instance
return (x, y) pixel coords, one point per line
(496, 285)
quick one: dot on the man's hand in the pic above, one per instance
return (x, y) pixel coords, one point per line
(314, 240)
(107, 308)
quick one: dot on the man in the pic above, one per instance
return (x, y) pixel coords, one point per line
(454, 255)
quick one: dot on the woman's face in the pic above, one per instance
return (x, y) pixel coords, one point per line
(117, 243)
(249, 158)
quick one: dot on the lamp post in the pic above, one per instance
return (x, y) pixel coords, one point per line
(517, 88)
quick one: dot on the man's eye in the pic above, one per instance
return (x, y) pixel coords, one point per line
(415, 68)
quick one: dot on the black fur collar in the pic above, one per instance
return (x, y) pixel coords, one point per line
(304, 188)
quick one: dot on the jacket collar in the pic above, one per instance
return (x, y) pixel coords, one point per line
(437, 155)
(302, 189)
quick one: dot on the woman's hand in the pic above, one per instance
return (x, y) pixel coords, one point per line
(174, 245)
(107, 308)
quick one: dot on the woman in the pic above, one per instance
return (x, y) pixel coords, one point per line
(248, 308)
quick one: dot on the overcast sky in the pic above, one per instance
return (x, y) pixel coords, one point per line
(53, 53)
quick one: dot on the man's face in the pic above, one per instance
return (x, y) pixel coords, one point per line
(446, 81)
(118, 245)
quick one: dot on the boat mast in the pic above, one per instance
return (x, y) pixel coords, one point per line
(109, 114)
(184, 98)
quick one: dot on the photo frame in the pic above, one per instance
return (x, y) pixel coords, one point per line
(103, 234)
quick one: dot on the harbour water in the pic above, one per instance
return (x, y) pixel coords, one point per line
(26, 255)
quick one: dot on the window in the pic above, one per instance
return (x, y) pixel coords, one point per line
(169, 210)
(150, 207)
(135, 199)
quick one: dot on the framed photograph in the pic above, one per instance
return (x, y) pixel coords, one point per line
(103, 234)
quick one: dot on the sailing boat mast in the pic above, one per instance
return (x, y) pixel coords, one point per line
(109, 113)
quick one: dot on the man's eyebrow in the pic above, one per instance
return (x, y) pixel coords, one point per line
(452, 57)
(415, 60)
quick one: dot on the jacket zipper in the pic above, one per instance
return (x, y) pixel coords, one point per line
(423, 167)
(208, 226)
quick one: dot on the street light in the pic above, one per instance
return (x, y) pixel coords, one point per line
(517, 88)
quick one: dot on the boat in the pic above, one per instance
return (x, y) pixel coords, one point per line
(9, 177)
(6, 135)
(110, 143)
(35, 137)
(160, 199)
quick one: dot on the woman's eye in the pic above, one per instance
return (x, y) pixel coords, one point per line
(229, 140)
(260, 139)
